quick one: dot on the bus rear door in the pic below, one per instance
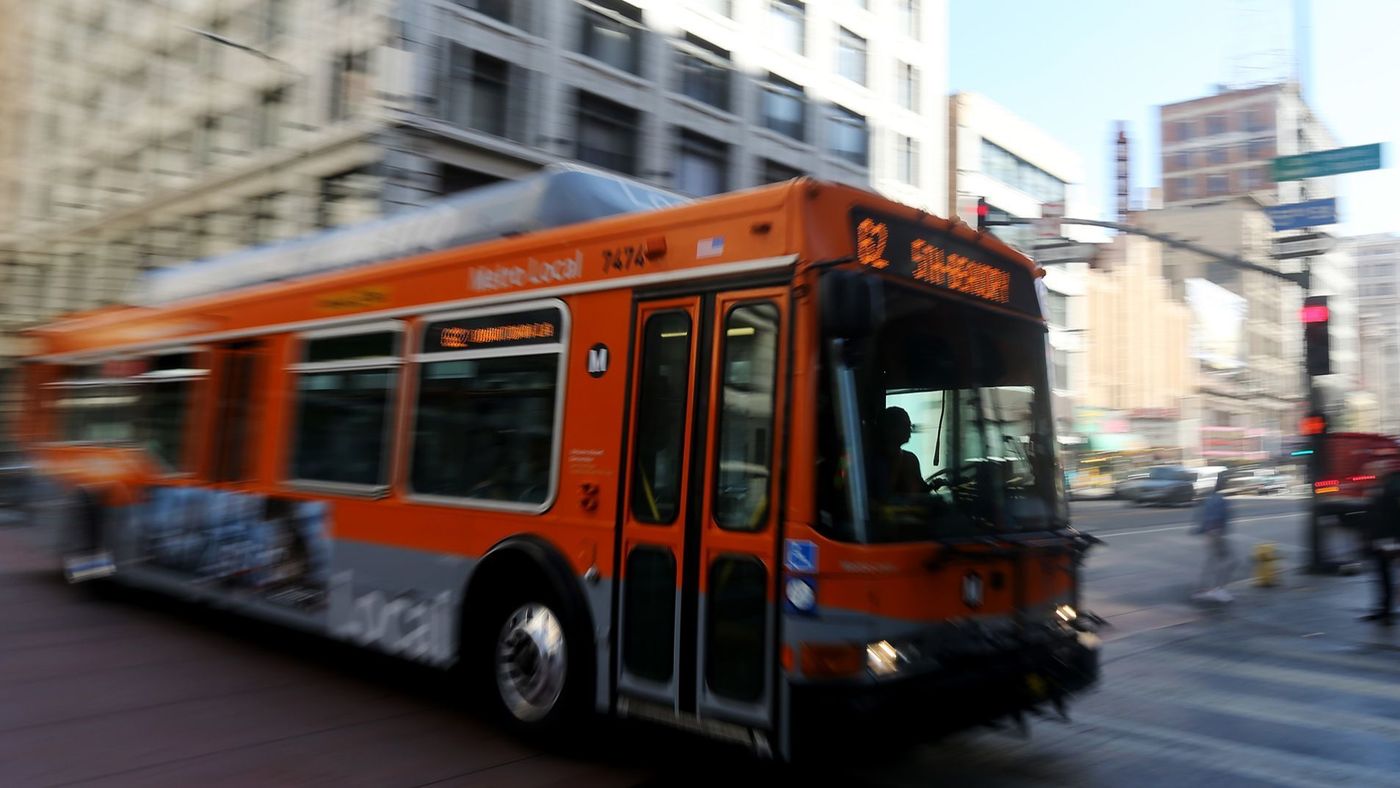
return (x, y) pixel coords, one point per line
(698, 546)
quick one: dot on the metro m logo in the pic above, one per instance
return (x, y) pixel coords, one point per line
(598, 357)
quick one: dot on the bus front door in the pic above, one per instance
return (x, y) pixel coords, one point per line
(696, 632)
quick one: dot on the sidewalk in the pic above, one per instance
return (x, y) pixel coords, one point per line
(1326, 607)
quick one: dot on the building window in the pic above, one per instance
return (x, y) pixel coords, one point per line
(1256, 119)
(850, 56)
(208, 140)
(452, 179)
(607, 133)
(703, 163)
(777, 172)
(1010, 169)
(1216, 124)
(1254, 178)
(274, 20)
(704, 72)
(477, 86)
(848, 136)
(1057, 304)
(1217, 185)
(788, 19)
(499, 10)
(267, 122)
(1061, 369)
(910, 18)
(263, 219)
(1185, 188)
(350, 84)
(1184, 129)
(908, 87)
(345, 384)
(346, 198)
(612, 34)
(488, 408)
(1259, 149)
(1180, 161)
(784, 107)
(1218, 155)
(908, 158)
(1171, 188)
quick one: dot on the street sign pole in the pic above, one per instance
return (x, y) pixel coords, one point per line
(1318, 561)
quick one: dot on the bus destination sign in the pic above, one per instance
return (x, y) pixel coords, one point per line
(909, 249)
(535, 327)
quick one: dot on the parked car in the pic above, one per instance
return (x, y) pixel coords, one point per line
(1256, 481)
(1206, 479)
(1129, 486)
(1168, 485)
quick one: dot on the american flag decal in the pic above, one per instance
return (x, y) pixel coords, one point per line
(709, 247)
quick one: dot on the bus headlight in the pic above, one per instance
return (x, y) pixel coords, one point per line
(883, 658)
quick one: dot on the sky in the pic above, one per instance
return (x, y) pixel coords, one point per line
(1075, 67)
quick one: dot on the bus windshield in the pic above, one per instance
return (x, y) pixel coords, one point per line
(955, 432)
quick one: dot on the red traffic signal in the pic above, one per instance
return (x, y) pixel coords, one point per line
(1312, 424)
(1317, 350)
(1315, 313)
(983, 212)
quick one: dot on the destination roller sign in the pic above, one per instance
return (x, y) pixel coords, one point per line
(906, 248)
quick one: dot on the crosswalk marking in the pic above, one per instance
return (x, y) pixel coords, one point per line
(1191, 693)
(1309, 678)
(1386, 662)
(1244, 760)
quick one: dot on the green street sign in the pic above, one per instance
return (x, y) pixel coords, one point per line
(1327, 162)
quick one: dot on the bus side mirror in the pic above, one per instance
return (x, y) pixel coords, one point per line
(851, 304)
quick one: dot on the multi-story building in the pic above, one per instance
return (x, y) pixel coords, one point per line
(157, 132)
(1222, 145)
(1018, 168)
(1377, 259)
(1138, 363)
(1251, 376)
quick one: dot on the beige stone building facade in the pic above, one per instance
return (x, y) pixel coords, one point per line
(1263, 389)
(1138, 343)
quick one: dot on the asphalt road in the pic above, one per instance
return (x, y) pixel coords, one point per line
(125, 688)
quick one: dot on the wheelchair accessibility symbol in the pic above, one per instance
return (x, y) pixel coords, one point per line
(800, 555)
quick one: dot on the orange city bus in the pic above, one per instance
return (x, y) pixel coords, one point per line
(777, 466)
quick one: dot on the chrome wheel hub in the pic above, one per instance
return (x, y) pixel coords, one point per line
(531, 662)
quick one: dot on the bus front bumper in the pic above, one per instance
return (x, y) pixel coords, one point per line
(962, 692)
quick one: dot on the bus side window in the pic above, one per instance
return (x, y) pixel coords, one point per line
(745, 417)
(344, 404)
(91, 406)
(165, 392)
(488, 408)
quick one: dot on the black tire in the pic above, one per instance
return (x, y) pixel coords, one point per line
(532, 690)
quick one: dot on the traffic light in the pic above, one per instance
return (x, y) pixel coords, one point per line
(1312, 424)
(983, 213)
(1317, 350)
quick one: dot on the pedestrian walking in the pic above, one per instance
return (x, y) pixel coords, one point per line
(1384, 532)
(1213, 522)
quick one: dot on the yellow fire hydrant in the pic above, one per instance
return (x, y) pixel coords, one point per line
(1265, 565)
